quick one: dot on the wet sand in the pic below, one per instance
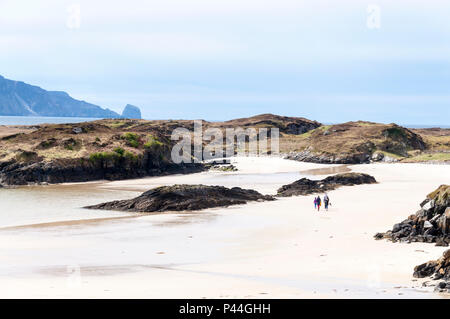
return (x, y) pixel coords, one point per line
(280, 249)
(327, 170)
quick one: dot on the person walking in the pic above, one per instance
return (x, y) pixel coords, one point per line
(326, 201)
(319, 202)
(315, 203)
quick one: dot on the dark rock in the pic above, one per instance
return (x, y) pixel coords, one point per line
(28, 168)
(437, 269)
(442, 242)
(306, 186)
(309, 156)
(184, 197)
(425, 270)
(431, 224)
(379, 236)
(397, 228)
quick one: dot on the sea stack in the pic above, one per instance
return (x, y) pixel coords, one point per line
(131, 112)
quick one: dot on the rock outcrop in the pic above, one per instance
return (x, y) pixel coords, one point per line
(306, 186)
(184, 197)
(111, 167)
(436, 270)
(430, 224)
(131, 112)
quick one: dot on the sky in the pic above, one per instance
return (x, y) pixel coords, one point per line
(330, 61)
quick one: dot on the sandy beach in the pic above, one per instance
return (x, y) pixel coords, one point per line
(279, 249)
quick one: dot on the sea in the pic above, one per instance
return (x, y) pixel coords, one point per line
(36, 120)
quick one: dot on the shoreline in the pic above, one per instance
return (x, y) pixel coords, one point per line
(332, 168)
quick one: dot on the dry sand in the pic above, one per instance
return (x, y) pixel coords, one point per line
(280, 249)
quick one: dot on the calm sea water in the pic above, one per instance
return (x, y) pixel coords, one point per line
(36, 120)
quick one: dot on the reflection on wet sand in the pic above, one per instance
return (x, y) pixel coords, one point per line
(103, 270)
(77, 222)
(180, 218)
(327, 170)
(187, 218)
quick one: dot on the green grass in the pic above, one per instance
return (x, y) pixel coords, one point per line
(308, 134)
(153, 142)
(441, 157)
(115, 156)
(99, 157)
(132, 139)
(119, 151)
(117, 124)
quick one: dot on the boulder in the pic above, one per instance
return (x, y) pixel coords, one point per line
(436, 269)
(376, 157)
(77, 130)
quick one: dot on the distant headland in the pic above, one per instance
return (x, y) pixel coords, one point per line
(21, 99)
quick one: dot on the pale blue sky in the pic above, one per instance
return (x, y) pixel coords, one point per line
(222, 59)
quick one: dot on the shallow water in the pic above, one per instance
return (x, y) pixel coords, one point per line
(57, 203)
(36, 120)
(43, 204)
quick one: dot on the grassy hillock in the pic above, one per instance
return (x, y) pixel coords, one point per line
(100, 139)
(354, 142)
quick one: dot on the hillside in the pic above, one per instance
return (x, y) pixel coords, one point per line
(105, 149)
(21, 99)
(287, 125)
(354, 142)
